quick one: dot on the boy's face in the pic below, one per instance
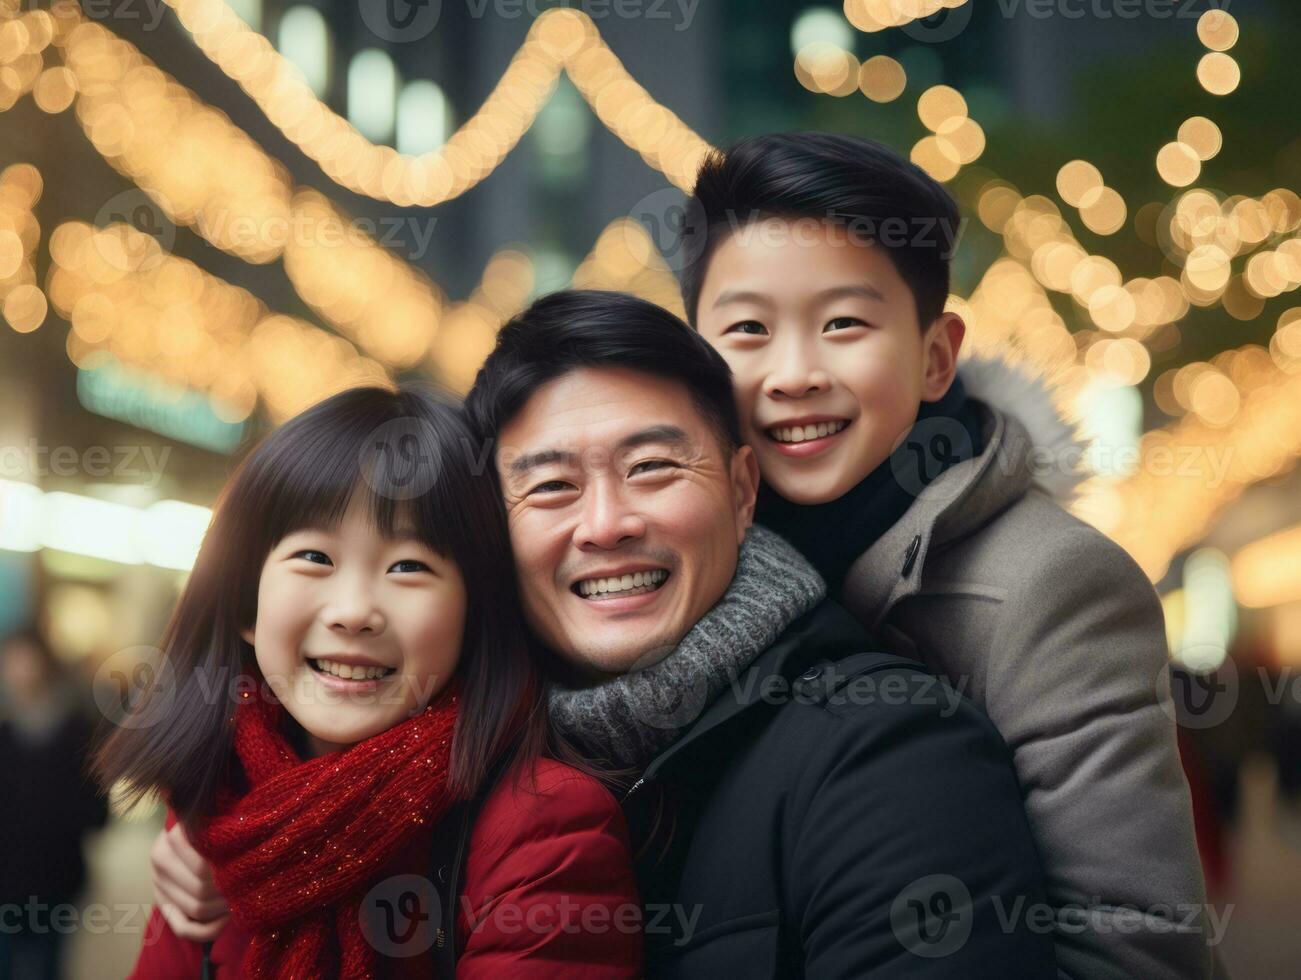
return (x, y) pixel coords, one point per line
(829, 362)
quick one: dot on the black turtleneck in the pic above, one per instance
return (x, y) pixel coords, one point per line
(832, 535)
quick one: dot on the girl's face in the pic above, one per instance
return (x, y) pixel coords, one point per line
(356, 633)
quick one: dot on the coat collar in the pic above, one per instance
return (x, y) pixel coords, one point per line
(1026, 441)
(827, 631)
(957, 502)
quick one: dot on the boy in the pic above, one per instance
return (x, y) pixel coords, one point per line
(818, 266)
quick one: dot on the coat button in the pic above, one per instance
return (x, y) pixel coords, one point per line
(806, 685)
(910, 556)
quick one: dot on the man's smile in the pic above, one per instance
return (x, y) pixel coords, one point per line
(620, 584)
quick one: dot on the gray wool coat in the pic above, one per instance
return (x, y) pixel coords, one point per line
(1058, 635)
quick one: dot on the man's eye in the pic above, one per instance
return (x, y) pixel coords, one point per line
(751, 328)
(650, 465)
(309, 551)
(551, 486)
(411, 561)
(843, 323)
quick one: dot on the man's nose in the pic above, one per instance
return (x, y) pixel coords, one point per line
(607, 520)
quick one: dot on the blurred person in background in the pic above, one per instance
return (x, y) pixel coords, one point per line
(46, 808)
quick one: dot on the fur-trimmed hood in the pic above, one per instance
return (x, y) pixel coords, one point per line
(1028, 397)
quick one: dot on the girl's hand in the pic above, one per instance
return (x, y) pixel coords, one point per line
(184, 889)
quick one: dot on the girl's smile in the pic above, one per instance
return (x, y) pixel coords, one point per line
(356, 632)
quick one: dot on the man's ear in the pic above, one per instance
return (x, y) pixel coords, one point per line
(940, 346)
(745, 487)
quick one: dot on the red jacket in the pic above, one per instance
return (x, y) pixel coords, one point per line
(548, 883)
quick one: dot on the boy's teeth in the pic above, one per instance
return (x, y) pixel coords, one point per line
(349, 671)
(802, 433)
(622, 583)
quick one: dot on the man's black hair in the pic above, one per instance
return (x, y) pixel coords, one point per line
(573, 329)
(848, 179)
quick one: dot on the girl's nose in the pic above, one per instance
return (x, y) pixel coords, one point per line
(355, 617)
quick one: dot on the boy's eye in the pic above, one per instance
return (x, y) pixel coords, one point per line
(843, 323)
(752, 328)
(309, 551)
(650, 466)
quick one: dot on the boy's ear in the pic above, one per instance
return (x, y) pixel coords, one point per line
(745, 488)
(940, 346)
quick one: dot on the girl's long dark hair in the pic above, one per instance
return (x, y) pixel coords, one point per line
(412, 454)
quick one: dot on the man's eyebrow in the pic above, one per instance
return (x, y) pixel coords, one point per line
(664, 433)
(529, 461)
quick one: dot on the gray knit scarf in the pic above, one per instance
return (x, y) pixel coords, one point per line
(630, 719)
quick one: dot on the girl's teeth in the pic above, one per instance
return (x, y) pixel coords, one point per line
(350, 672)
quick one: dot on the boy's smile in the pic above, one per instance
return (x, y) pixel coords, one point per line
(806, 435)
(828, 361)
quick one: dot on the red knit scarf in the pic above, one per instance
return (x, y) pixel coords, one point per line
(295, 855)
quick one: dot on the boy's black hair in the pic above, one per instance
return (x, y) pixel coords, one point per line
(849, 179)
(574, 329)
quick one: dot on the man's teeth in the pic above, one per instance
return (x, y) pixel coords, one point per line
(802, 433)
(617, 584)
(350, 672)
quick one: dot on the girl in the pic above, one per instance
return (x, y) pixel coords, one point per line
(347, 662)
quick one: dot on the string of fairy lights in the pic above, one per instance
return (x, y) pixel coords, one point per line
(559, 40)
(248, 207)
(166, 315)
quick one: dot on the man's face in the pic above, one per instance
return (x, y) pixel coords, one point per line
(827, 357)
(625, 513)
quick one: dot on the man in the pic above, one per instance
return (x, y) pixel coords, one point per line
(837, 812)
(808, 807)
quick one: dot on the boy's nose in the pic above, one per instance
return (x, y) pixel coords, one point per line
(795, 380)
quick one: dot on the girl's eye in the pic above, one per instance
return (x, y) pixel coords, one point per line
(751, 328)
(411, 561)
(650, 466)
(843, 323)
(309, 551)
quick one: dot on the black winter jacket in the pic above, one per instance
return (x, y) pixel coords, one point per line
(838, 813)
